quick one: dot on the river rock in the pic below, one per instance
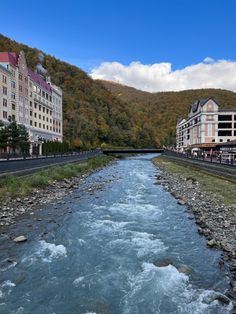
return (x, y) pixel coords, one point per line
(233, 284)
(20, 239)
(211, 243)
(223, 299)
(181, 202)
(163, 263)
(184, 269)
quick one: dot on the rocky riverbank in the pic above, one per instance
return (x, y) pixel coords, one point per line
(216, 221)
(13, 209)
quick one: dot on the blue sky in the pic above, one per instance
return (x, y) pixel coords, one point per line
(89, 32)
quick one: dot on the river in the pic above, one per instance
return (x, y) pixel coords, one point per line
(121, 250)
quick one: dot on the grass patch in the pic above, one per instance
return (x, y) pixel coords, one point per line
(14, 187)
(219, 187)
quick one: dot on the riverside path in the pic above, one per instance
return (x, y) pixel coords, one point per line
(27, 166)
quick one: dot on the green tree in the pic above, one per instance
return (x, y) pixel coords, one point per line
(13, 135)
(24, 142)
(3, 137)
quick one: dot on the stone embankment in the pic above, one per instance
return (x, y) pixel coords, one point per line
(11, 209)
(215, 221)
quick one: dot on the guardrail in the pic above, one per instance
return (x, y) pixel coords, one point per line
(49, 156)
(211, 159)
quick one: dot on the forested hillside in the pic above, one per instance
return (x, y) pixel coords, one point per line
(97, 112)
(162, 109)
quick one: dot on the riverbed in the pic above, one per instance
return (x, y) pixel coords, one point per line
(121, 244)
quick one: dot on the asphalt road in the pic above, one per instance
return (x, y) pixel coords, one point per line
(23, 167)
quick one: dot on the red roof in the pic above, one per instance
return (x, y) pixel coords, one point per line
(39, 80)
(9, 57)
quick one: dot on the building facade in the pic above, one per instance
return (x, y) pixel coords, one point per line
(5, 95)
(205, 126)
(29, 99)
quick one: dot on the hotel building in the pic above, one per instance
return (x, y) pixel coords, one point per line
(27, 98)
(205, 127)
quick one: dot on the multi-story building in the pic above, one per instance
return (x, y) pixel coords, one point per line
(5, 95)
(29, 99)
(205, 126)
(57, 111)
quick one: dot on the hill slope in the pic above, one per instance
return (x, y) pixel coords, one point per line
(162, 109)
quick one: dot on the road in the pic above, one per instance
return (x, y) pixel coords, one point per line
(23, 167)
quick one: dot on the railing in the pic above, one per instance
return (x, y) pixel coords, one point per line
(208, 159)
(10, 157)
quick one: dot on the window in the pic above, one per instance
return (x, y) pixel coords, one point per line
(13, 106)
(50, 98)
(224, 133)
(47, 111)
(4, 79)
(13, 95)
(20, 77)
(13, 117)
(4, 114)
(47, 119)
(43, 109)
(39, 116)
(43, 118)
(43, 126)
(224, 118)
(4, 90)
(43, 93)
(31, 113)
(39, 107)
(35, 124)
(35, 105)
(13, 84)
(30, 103)
(39, 125)
(4, 102)
(47, 127)
(35, 115)
(31, 122)
(46, 96)
(225, 125)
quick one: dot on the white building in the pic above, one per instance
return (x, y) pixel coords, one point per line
(205, 126)
(27, 98)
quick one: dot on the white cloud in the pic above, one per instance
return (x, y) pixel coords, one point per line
(209, 60)
(160, 77)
